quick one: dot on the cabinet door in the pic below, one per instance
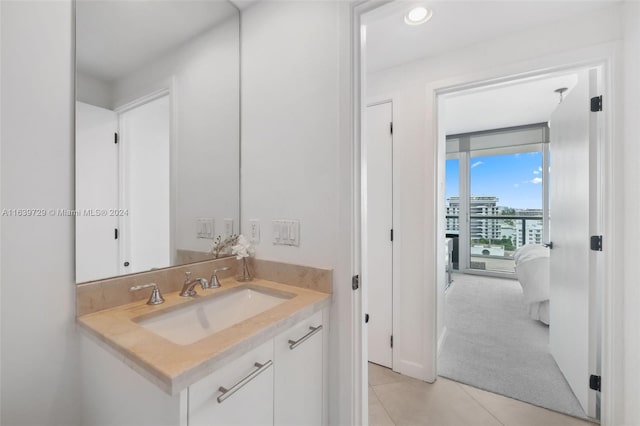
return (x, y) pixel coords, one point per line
(248, 400)
(298, 374)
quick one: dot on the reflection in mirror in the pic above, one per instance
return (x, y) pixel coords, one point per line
(157, 133)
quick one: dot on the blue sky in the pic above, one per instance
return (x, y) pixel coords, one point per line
(515, 178)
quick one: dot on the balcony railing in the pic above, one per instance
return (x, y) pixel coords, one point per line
(493, 243)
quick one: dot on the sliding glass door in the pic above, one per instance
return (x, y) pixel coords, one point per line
(505, 207)
(495, 203)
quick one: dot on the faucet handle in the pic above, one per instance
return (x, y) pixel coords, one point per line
(187, 276)
(214, 282)
(155, 298)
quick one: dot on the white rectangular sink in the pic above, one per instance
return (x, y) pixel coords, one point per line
(188, 324)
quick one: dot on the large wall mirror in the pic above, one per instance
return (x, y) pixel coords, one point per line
(157, 133)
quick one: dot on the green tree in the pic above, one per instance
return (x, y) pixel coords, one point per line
(507, 244)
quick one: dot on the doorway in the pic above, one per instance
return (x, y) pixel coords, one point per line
(126, 153)
(550, 310)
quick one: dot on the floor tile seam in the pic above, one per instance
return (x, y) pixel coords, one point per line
(479, 403)
(373, 388)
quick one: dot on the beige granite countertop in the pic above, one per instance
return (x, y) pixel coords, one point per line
(174, 367)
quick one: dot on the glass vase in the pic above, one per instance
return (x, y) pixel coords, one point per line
(243, 271)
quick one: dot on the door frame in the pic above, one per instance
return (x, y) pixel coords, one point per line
(602, 57)
(608, 56)
(596, 209)
(358, 103)
(364, 254)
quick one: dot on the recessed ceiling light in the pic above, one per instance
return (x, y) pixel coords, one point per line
(418, 15)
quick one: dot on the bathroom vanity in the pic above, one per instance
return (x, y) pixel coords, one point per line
(249, 353)
(157, 190)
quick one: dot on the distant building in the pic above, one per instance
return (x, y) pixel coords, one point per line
(495, 229)
(489, 229)
(533, 228)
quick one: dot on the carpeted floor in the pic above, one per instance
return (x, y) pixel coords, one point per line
(492, 344)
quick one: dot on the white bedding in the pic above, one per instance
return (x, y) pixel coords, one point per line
(532, 269)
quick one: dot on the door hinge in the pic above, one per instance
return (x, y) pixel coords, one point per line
(596, 104)
(115, 233)
(391, 235)
(391, 127)
(355, 282)
(391, 340)
(115, 138)
(594, 382)
(596, 242)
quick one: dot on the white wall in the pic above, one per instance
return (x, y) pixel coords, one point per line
(206, 107)
(632, 207)
(296, 152)
(93, 91)
(415, 181)
(39, 356)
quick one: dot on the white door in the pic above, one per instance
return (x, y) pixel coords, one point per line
(570, 215)
(145, 136)
(378, 248)
(96, 188)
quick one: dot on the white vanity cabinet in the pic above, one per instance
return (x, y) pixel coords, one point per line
(279, 382)
(298, 386)
(247, 399)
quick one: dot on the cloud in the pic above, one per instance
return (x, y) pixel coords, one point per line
(516, 185)
(476, 164)
(536, 172)
(536, 180)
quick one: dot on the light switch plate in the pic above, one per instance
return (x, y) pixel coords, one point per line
(254, 231)
(205, 228)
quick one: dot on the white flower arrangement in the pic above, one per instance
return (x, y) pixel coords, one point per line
(243, 248)
(221, 246)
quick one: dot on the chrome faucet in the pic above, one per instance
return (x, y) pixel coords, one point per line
(155, 298)
(189, 284)
(214, 282)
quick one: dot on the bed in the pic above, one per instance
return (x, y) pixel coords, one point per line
(532, 270)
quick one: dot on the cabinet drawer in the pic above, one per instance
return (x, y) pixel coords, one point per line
(299, 374)
(247, 398)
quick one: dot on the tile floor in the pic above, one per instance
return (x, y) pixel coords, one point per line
(398, 400)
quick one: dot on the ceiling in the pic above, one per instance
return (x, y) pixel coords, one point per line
(456, 24)
(117, 37)
(520, 103)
